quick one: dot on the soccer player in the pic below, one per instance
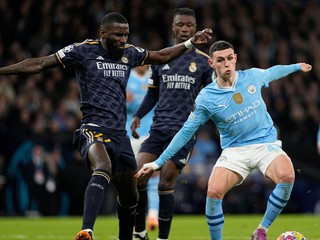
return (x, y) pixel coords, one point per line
(173, 87)
(136, 90)
(102, 69)
(247, 136)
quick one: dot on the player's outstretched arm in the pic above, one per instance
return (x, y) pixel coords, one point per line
(305, 67)
(170, 53)
(30, 66)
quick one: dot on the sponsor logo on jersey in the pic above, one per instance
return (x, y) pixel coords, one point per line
(100, 58)
(177, 81)
(244, 114)
(112, 69)
(178, 78)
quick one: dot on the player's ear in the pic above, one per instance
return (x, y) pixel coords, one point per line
(235, 57)
(211, 63)
(172, 29)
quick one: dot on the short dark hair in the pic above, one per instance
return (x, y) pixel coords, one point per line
(219, 45)
(184, 11)
(113, 17)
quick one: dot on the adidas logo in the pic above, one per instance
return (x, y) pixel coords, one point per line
(166, 67)
(184, 161)
(100, 58)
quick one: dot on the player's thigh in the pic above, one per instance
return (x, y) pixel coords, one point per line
(221, 181)
(99, 157)
(126, 186)
(281, 169)
(144, 157)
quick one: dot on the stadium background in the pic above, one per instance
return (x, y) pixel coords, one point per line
(38, 113)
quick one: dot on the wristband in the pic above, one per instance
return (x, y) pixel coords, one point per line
(153, 165)
(188, 43)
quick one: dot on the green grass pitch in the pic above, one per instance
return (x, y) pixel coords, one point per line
(184, 227)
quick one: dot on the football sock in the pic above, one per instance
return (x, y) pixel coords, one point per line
(94, 196)
(166, 209)
(126, 216)
(277, 201)
(140, 223)
(215, 218)
(153, 196)
(141, 234)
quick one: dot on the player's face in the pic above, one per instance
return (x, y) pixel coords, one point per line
(183, 27)
(114, 38)
(224, 63)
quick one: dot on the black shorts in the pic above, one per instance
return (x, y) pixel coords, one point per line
(157, 141)
(117, 146)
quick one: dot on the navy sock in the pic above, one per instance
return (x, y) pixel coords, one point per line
(140, 224)
(94, 196)
(166, 210)
(126, 218)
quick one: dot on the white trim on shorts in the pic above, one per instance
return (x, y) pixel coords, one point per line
(245, 159)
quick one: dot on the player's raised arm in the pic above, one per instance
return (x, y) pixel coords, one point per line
(30, 65)
(168, 54)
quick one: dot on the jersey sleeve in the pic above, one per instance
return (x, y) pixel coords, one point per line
(69, 55)
(137, 56)
(197, 117)
(275, 72)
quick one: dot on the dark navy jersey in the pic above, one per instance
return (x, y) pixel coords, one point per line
(102, 80)
(179, 83)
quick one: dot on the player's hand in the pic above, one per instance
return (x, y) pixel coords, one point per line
(202, 37)
(147, 168)
(305, 67)
(134, 125)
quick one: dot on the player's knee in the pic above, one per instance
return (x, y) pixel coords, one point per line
(289, 178)
(142, 184)
(164, 186)
(215, 193)
(129, 201)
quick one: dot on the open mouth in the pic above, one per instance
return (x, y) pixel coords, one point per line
(184, 37)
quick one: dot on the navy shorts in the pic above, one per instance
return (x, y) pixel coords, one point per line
(157, 141)
(117, 146)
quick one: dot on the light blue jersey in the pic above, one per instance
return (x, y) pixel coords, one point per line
(137, 87)
(239, 111)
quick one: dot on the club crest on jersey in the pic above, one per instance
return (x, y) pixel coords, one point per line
(193, 67)
(251, 89)
(124, 60)
(237, 98)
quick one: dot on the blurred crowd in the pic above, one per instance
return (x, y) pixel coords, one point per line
(40, 173)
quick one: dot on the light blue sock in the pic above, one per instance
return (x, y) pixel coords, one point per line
(153, 196)
(215, 218)
(277, 201)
